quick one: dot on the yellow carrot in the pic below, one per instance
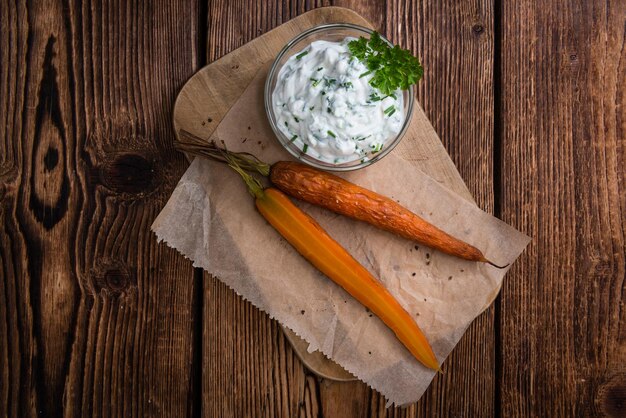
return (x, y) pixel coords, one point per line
(328, 256)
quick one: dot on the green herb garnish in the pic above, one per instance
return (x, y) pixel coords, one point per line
(315, 81)
(312, 107)
(305, 147)
(296, 119)
(393, 67)
(331, 133)
(301, 54)
(329, 81)
(293, 138)
(389, 111)
(320, 68)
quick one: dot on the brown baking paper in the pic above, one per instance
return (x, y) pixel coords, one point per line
(210, 218)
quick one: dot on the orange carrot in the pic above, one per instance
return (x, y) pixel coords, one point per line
(340, 196)
(329, 257)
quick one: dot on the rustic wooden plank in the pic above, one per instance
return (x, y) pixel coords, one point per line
(455, 42)
(563, 348)
(96, 316)
(271, 380)
(466, 31)
(249, 368)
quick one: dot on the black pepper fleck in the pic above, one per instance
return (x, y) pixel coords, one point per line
(413, 274)
(302, 312)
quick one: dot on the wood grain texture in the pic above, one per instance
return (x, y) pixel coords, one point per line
(249, 368)
(95, 316)
(563, 345)
(469, 390)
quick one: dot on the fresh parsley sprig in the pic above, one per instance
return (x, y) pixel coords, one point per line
(393, 67)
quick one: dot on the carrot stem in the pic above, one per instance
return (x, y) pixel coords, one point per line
(195, 145)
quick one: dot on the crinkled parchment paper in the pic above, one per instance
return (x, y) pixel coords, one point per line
(210, 218)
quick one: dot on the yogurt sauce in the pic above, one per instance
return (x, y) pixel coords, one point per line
(324, 106)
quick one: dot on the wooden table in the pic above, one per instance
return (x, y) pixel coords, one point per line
(98, 319)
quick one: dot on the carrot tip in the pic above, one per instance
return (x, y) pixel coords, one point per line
(497, 266)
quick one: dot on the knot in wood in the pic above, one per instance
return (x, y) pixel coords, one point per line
(478, 28)
(113, 277)
(129, 173)
(611, 396)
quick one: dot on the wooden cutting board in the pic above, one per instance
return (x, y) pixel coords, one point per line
(208, 95)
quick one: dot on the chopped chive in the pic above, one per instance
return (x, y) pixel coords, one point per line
(336, 160)
(365, 73)
(286, 124)
(362, 160)
(389, 109)
(377, 148)
(297, 120)
(374, 97)
(305, 147)
(284, 104)
(293, 138)
(301, 54)
(391, 113)
(320, 68)
(329, 81)
(331, 133)
(315, 81)
(346, 85)
(328, 110)
(312, 107)
(323, 93)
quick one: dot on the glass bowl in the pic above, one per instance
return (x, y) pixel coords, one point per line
(335, 32)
